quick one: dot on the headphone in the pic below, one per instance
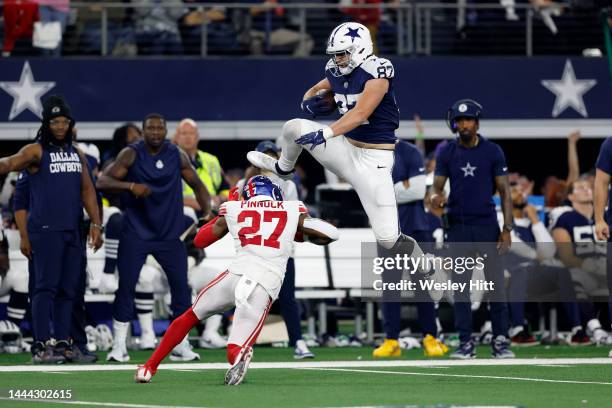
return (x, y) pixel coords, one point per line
(462, 108)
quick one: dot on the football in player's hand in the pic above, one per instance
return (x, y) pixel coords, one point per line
(322, 104)
(328, 96)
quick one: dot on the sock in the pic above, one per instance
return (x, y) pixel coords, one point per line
(232, 352)
(16, 307)
(120, 332)
(176, 332)
(213, 323)
(146, 325)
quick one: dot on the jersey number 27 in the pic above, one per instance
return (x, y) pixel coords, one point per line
(249, 235)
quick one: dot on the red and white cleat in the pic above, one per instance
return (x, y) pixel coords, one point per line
(144, 374)
(238, 370)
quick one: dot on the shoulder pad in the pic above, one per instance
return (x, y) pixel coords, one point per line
(378, 67)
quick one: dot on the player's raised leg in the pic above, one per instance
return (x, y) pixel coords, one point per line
(216, 297)
(248, 321)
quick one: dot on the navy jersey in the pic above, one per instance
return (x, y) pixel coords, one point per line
(380, 127)
(604, 163)
(435, 228)
(55, 190)
(409, 163)
(472, 173)
(582, 231)
(159, 216)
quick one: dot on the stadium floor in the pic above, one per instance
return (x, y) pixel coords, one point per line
(557, 376)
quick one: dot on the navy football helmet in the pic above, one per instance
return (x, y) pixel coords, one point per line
(464, 108)
(261, 185)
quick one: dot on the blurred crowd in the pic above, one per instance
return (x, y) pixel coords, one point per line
(150, 27)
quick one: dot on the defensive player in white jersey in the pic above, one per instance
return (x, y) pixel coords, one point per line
(264, 228)
(359, 146)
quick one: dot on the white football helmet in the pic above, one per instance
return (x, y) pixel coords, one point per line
(10, 337)
(349, 45)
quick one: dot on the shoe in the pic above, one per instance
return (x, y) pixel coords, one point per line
(301, 351)
(610, 353)
(238, 370)
(579, 338)
(600, 337)
(81, 355)
(148, 342)
(524, 339)
(432, 347)
(501, 348)
(184, 352)
(45, 354)
(263, 161)
(389, 348)
(118, 354)
(144, 373)
(465, 351)
(212, 340)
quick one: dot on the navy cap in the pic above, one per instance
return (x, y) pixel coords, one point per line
(266, 146)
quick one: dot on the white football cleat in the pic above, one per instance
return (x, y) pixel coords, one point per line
(143, 374)
(238, 370)
(610, 353)
(184, 352)
(118, 354)
(302, 351)
(148, 342)
(212, 340)
(263, 161)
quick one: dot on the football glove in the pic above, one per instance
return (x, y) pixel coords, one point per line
(318, 106)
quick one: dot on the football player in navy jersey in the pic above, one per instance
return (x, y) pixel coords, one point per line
(583, 254)
(531, 243)
(359, 146)
(60, 186)
(475, 168)
(152, 170)
(410, 186)
(601, 197)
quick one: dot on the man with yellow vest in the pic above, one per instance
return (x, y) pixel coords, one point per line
(210, 172)
(207, 165)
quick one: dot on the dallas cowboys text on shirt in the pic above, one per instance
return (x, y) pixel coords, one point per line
(64, 162)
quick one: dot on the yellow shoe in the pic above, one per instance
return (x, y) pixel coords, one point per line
(442, 346)
(390, 348)
(431, 347)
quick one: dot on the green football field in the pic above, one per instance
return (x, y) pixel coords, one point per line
(557, 376)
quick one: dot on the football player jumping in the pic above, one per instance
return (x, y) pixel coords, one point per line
(264, 228)
(359, 146)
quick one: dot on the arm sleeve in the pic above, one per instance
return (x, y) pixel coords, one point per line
(544, 241)
(415, 192)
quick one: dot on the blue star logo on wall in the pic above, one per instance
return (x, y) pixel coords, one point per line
(353, 33)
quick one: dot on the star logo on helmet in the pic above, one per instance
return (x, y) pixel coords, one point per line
(353, 33)
(462, 107)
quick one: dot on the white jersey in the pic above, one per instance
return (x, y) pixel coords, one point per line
(263, 232)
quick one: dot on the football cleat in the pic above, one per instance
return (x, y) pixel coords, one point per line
(184, 352)
(148, 342)
(433, 347)
(579, 338)
(212, 340)
(144, 374)
(45, 354)
(118, 354)
(389, 348)
(524, 339)
(263, 161)
(302, 351)
(238, 370)
(465, 351)
(610, 353)
(501, 348)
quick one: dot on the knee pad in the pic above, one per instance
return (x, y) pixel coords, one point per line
(292, 129)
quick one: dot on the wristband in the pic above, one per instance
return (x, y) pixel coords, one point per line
(328, 133)
(98, 226)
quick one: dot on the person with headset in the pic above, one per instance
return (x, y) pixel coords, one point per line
(476, 167)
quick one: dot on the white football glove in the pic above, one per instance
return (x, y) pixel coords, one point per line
(108, 283)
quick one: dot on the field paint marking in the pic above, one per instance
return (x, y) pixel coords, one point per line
(59, 372)
(318, 364)
(494, 377)
(97, 404)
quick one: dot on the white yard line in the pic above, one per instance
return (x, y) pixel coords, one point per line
(318, 364)
(494, 377)
(95, 404)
